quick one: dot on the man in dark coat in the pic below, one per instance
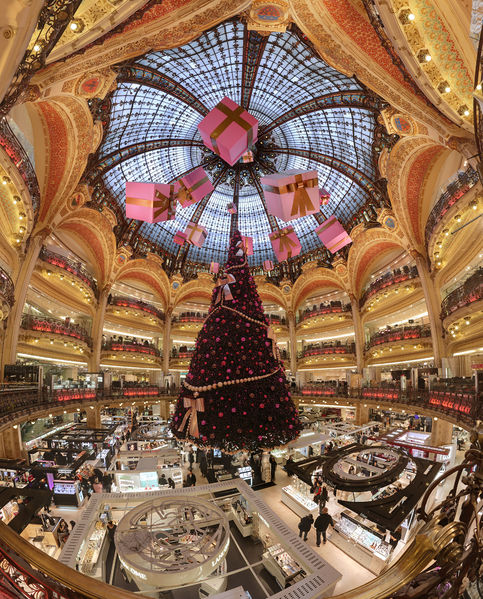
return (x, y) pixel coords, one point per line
(305, 525)
(190, 479)
(321, 525)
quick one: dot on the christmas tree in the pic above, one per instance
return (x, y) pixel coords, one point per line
(236, 394)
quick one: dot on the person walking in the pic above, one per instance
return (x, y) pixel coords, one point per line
(322, 523)
(191, 457)
(305, 525)
(190, 479)
(273, 467)
(324, 497)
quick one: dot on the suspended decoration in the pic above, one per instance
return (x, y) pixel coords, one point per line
(214, 268)
(267, 265)
(193, 187)
(247, 245)
(231, 208)
(196, 234)
(285, 243)
(179, 238)
(324, 196)
(291, 194)
(247, 157)
(333, 235)
(150, 202)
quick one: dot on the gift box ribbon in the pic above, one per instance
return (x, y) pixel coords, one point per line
(223, 288)
(185, 193)
(194, 406)
(301, 201)
(232, 116)
(191, 230)
(286, 243)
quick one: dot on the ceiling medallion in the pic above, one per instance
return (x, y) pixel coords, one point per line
(267, 17)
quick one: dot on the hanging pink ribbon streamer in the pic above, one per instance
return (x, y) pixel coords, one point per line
(194, 406)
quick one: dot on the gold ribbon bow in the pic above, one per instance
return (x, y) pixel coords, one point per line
(194, 406)
(286, 243)
(232, 116)
(301, 201)
(184, 194)
(224, 291)
(165, 203)
(192, 228)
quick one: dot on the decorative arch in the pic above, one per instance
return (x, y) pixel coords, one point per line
(149, 273)
(316, 278)
(201, 287)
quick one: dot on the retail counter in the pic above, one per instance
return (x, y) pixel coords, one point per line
(298, 503)
(92, 554)
(361, 542)
(282, 566)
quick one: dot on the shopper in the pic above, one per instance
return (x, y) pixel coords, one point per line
(322, 523)
(62, 532)
(97, 486)
(273, 467)
(305, 525)
(72, 524)
(111, 529)
(162, 480)
(324, 497)
(190, 479)
(191, 456)
(171, 483)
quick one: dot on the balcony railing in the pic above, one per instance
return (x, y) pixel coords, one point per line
(125, 302)
(399, 334)
(470, 291)
(327, 349)
(387, 280)
(189, 317)
(74, 268)
(327, 308)
(140, 348)
(182, 353)
(58, 327)
(455, 190)
(7, 287)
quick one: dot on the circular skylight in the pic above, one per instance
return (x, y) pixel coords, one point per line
(310, 117)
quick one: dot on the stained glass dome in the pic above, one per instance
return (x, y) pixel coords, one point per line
(310, 117)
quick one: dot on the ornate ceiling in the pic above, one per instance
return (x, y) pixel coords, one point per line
(300, 102)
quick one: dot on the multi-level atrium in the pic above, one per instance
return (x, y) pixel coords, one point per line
(381, 341)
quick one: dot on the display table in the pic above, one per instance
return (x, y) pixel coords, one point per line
(93, 552)
(281, 566)
(298, 503)
(361, 542)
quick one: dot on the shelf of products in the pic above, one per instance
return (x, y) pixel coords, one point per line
(90, 550)
(242, 517)
(281, 565)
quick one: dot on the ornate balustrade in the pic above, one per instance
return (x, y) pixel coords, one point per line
(57, 327)
(125, 302)
(74, 268)
(327, 349)
(6, 287)
(470, 291)
(455, 190)
(387, 280)
(399, 334)
(141, 348)
(184, 353)
(332, 308)
(189, 317)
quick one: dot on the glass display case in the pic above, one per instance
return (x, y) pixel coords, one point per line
(242, 516)
(297, 497)
(67, 493)
(90, 557)
(281, 565)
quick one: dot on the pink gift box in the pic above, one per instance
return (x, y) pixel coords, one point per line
(248, 245)
(324, 196)
(285, 243)
(150, 202)
(193, 187)
(228, 130)
(196, 234)
(333, 235)
(179, 238)
(267, 265)
(291, 194)
(231, 208)
(247, 156)
(214, 267)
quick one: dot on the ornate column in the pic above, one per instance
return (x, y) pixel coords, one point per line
(94, 417)
(292, 341)
(98, 328)
(362, 414)
(433, 304)
(21, 281)
(442, 432)
(167, 340)
(12, 443)
(358, 333)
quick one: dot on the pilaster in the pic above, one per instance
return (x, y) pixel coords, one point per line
(97, 329)
(358, 333)
(292, 342)
(167, 340)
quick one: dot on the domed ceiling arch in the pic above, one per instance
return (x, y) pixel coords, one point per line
(310, 117)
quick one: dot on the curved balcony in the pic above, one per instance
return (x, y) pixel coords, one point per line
(470, 291)
(455, 190)
(144, 348)
(125, 302)
(399, 334)
(7, 287)
(56, 327)
(74, 268)
(388, 280)
(324, 349)
(335, 307)
(185, 317)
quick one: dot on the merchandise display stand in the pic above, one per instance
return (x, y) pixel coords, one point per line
(298, 503)
(281, 566)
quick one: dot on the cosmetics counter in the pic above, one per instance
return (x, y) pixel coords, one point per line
(67, 493)
(91, 558)
(297, 497)
(282, 566)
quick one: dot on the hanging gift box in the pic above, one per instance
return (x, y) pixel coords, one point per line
(291, 194)
(214, 267)
(285, 243)
(247, 245)
(247, 156)
(228, 130)
(193, 187)
(179, 238)
(324, 196)
(231, 208)
(195, 234)
(150, 202)
(333, 235)
(267, 265)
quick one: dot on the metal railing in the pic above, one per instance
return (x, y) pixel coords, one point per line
(125, 302)
(189, 317)
(74, 268)
(327, 349)
(57, 327)
(455, 190)
(387, 280)
(399, 334)
(141, 348)
(7, 288)
(327, 308)
(470, 291)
